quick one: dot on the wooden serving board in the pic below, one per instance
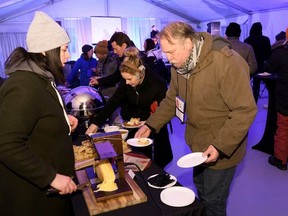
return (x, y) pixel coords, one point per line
(97, 207)
(115, 140)
(81, 164)
(84, 163)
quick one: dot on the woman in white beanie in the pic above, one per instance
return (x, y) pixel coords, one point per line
(35, 147)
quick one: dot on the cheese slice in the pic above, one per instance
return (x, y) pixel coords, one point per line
(106, 175)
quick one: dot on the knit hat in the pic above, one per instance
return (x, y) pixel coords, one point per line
(86, 48)
(102, 47)
(45, 34)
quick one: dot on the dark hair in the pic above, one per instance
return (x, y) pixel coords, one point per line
(280, 36)
(233, 30)
(256, 29)
(85, 49)
(120, 38)
(51, 62)
(85, 56)
(150, 44)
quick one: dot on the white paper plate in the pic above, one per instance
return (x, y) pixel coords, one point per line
(166, 186)
(177, 196)
(134, 142)
(191, 160)
(125, 125)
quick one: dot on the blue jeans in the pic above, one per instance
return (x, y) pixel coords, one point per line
(213, 188)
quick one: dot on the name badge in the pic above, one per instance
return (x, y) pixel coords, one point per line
(180, 109)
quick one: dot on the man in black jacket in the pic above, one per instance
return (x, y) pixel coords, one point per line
(262, 49)
(119, 42)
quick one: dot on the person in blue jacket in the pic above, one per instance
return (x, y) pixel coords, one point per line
(87, 66)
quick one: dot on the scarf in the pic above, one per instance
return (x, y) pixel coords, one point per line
(192, 60)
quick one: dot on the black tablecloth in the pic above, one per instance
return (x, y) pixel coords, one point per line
(266, 143)
(153, 206)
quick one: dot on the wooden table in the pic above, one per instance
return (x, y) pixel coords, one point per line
(266, 144)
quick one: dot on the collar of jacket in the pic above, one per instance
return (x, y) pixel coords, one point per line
(211, 43)
(29, 67)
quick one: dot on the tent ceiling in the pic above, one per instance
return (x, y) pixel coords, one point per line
(10, 9)
(196, 11)
(206, 10)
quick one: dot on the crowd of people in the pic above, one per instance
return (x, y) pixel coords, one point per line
(136, 95)
(210, 76)
(271, 59)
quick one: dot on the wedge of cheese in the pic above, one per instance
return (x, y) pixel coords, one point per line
(106, 175)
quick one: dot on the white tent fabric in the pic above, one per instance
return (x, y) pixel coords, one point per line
(196, 11)
(16, 15)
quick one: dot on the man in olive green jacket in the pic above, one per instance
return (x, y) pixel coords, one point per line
(213, 82)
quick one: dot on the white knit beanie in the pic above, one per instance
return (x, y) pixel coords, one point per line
(45, 34)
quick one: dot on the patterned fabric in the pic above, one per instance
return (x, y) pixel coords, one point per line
(192, 60)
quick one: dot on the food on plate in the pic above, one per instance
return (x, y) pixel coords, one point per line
(85, 151)
(134, 122)
(143, 141)
(111, 128)
(160, 180)
(106, 175)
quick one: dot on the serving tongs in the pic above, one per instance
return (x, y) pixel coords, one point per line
(79, 187)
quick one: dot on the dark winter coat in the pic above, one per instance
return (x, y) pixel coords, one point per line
(278, 63)
(35, 145)
(136, 103)
(261, 45)
(219, 104)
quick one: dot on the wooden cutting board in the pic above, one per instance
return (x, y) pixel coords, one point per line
(84, 163)
(80, 164)
(97, 207)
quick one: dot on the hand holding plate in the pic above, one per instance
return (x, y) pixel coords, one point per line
(212, 154)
